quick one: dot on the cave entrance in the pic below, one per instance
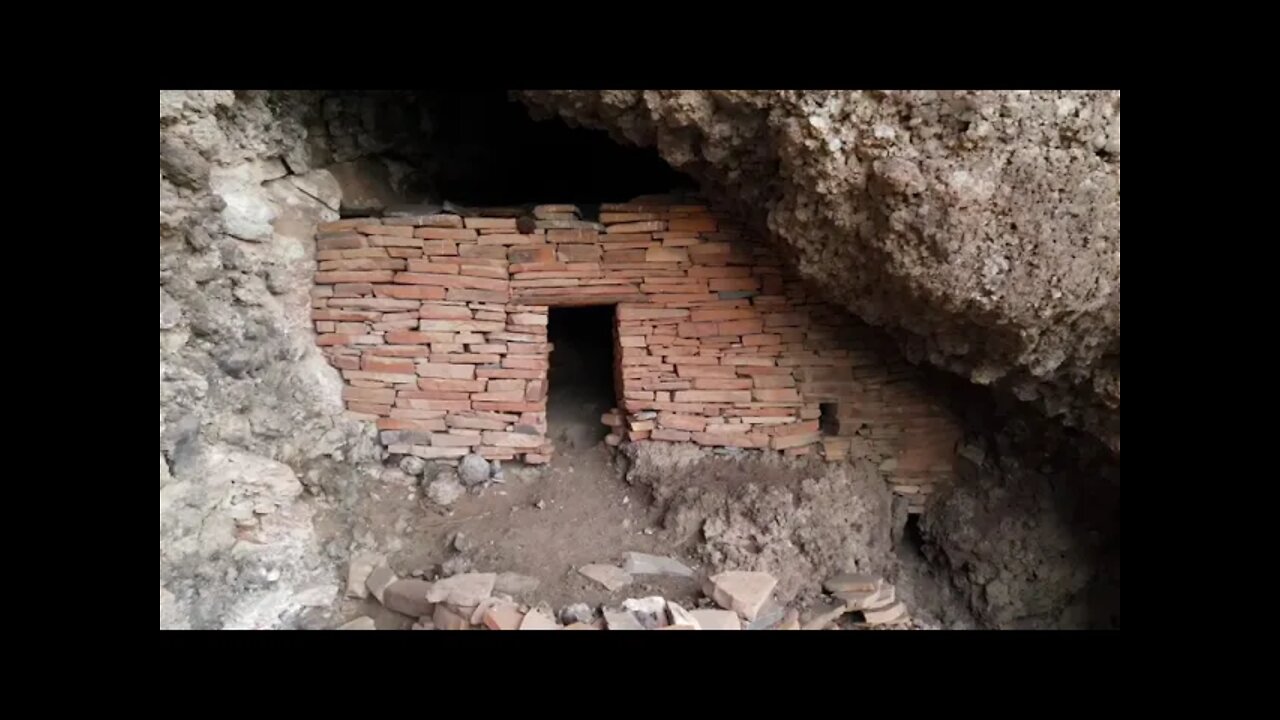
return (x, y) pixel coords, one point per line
(581, 381)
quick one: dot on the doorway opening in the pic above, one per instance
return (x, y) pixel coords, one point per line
(829, 419)
(581, 384)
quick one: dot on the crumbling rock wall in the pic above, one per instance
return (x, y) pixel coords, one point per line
(250, 412)
(982, 227)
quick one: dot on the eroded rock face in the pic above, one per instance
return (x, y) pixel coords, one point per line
(982, 228)
(250, 412)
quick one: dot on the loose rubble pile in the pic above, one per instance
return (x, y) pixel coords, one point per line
(734, 600)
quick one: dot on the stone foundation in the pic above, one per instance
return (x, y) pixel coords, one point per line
(439, 326)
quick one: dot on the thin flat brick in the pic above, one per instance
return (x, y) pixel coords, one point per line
(692, 224)
(386, 241)
(432, 233)
(340, 241)
(775, 395)
(369, 395)
(409, 292)
(741, 327)
(670, 435)
(446, 370)
(510, 439)
(713, 396)
(353, 276)
(468, 295)
(450, 385)
(722, 383)
(649, 226)
(490, 223)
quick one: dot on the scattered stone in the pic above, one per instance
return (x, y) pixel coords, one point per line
(881, 596)
(313, 596)
(444, 490)
(885, 614)
(362, 564)
(465, 590)
(597, 625)
(408, 597)
(824, 613)
(502, 616)
(364, 622)
(541, 504)
(621, 620)
(413, 465)
(790, 620)
(638, 563)
(424, 624)
(455, 565)
(460, 542)
(646, 415)
(612, 578)
(539, 618)
(379, 580)
(852, 582)
(448, 618)
(515, 584)
(743, 592)
(769, 616)
(473, 470)
(577, 613)
(680, 618)
(650, 611)
(716, 619)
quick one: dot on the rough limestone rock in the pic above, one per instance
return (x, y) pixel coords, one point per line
(983, 228)
(473, 470)
(238, 550)
(1030, 535)
(248, 405)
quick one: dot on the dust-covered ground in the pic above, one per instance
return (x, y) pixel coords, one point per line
(800, 521)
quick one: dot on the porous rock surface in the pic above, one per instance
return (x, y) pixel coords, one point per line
(982, 228)
(251, 430)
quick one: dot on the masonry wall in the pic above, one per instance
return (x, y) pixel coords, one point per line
(438, 324)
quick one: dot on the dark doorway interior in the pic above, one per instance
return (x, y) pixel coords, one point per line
(582, 374)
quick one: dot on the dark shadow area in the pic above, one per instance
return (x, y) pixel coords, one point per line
(581, 378)
(486, 150)
(829, 420)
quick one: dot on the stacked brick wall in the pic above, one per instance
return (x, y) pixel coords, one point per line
(438, 324)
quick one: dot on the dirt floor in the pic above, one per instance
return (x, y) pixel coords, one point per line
(799, 519)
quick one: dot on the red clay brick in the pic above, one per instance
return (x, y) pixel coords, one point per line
(368, 408)
(431, 233)
(721, 383)
(409, 292)
(670, 435)
(703, 371)
(511, 439)
(340, 241)
(713, 396)
(446, 371)
(353, 276)
(467, 295)
(741, 327)
(676, 421)
(393, 423)
(407, 338)
(648, 226)
(381, 397)
(525, 363)
(433, 395)
(539, 254)
(489, 223)
(705, 223)
(446, 405)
